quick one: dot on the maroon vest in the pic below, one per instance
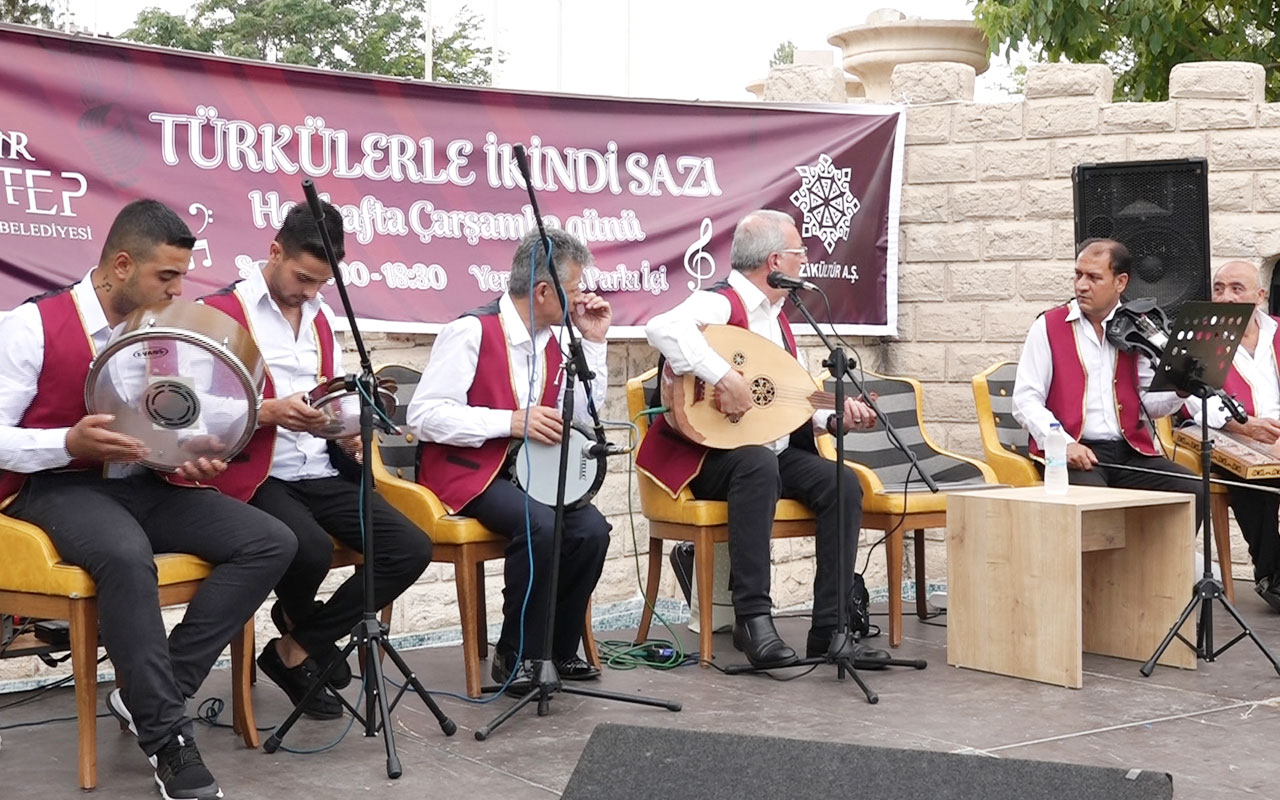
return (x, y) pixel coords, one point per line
(1239, 388)
(59, 398)
(665, 455)
(1067, 386)
(251, 466)
(457, 475)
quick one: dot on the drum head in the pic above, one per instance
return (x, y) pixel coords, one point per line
(181, 392)
(538, 470)
(342, 405)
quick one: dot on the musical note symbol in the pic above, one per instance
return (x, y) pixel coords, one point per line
(697, 262)
(208, 216)
(201, 244)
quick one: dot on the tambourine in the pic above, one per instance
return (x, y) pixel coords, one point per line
(339, 399)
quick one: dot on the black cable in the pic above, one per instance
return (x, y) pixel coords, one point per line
(41, 691)
(10, 727)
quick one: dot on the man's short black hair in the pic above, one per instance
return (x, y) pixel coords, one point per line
(299, 233)
(141, 227)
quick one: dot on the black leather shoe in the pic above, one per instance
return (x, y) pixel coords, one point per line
(295, 681)
(1269, 590)
(818, 642)
(504, 664)
(576, 669)
(759, 640)
(339, 676)
(866, 657)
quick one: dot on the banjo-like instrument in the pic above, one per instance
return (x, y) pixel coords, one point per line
(537, 469)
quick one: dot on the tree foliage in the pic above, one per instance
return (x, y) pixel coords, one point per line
(27, 12)
(785, 54)
(374, 36)
(1141, 40)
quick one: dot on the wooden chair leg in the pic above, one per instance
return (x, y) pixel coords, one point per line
(84, 666)
(242, 718)
(468, 608)
(893, 556)
(650, 589)
(704, 570)
(589, 639)
(1222, 540)
(922, 580)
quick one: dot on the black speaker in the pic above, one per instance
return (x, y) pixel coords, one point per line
(626, 761)
(1159, 210)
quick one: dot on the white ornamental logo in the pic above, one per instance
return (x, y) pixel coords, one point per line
(826, 201)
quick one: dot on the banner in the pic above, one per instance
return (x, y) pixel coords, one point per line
(424, 175)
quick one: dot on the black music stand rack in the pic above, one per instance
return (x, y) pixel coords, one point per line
(1195, 360)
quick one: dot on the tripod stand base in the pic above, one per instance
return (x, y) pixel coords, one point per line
(1207, 590)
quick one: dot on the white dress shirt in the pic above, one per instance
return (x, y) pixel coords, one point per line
(21, 360)
(293, 363)
(439, 411)
(1035, 372)
(1258, 370)
(677, 334)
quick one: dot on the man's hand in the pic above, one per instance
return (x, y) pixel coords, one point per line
(292, 413)
(202, 469)
(544, 424)
(858, 416)
(352, 448)
(732, 395)
(91, 439)
(591, 315)
(1264, 430)
(1080, 457)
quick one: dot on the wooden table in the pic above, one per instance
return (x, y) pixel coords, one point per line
(1034, 580)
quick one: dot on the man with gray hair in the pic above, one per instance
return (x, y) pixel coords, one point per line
(495, 379)
(752, 479)
(1255, 383)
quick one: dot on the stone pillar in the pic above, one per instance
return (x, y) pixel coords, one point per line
(931, 82)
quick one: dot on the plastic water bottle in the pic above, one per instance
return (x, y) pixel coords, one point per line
(1055, 461)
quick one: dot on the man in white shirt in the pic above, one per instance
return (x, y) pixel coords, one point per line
(1254, 382)
(1071, 374)
(68, 472)
(289, 472)
(752, 479)
(496, 377)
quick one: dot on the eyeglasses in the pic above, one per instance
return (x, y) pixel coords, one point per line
(799, 251)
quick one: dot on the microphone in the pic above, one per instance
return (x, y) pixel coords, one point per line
(598, 449)
(781, 280)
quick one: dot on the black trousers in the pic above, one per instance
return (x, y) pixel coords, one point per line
(1119, 452)
(752, 479)
(317, 509)
(501, 509)
(1257, 514)
(112, 529)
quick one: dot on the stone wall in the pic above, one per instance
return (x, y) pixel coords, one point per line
(986, 244)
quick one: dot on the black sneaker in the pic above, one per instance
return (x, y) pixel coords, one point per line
(504, 664)
(181, 773)
(296, 681)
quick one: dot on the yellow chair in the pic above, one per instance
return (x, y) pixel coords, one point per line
(703, 522)
(893, 498)
(35, 582)
(1006, 446)
(462, 541)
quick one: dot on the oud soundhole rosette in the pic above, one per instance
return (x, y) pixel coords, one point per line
(763, 391)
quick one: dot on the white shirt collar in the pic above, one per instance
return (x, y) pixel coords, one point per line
(255, 291)
(91, 312)
(1266, 324)
(751, 295)
(517, 333)
(1074, 313)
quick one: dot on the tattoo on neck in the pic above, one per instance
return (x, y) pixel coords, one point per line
(104, 286)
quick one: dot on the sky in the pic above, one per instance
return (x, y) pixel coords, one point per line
(671, 49)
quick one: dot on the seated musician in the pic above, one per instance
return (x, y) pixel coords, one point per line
(495, 377)
(753, 478)
(1254, 382)
(66, 471)
(1071, 374)
(288, 472)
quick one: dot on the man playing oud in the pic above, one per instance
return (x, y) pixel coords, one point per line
(753, 478)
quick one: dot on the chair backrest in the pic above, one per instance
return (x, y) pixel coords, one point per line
(1004, 441)
(400, 453)
(653, 498)
(901, 400)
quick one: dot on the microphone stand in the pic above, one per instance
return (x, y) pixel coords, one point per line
(368, 635)
(546, 680)
(840, 650)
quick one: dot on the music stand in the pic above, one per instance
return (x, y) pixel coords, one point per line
(369, 635)
(840, 650)
(1196, 360)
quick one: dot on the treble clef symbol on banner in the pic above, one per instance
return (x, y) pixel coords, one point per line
(698, 262)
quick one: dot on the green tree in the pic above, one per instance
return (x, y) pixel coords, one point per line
(785, 54)
(27, 12)
(1141, 40)
(374, 36)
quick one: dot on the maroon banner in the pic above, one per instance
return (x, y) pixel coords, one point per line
(424, 175)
